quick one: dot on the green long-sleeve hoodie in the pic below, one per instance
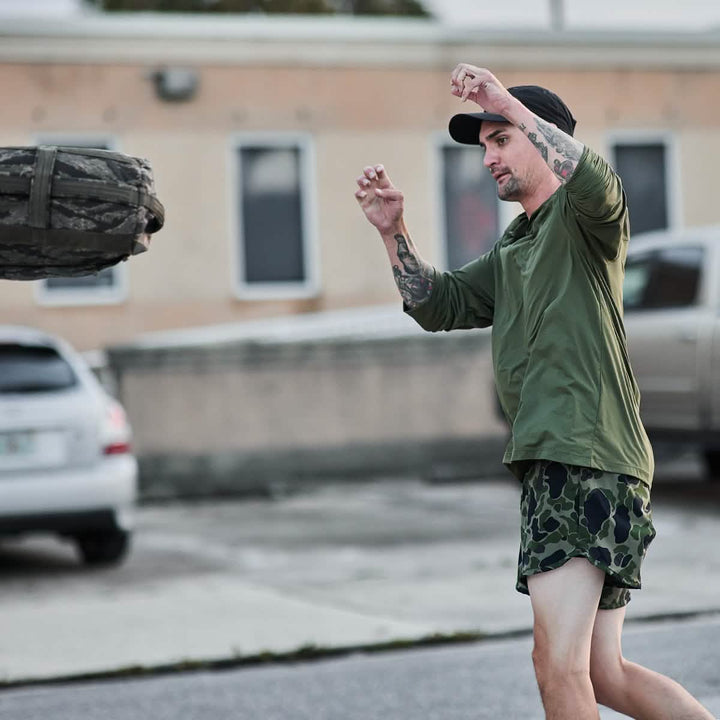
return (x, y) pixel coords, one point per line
(552, 290)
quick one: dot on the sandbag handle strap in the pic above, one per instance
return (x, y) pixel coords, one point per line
(40, 187)
(158, 212)
(93, 189)
(126, 194)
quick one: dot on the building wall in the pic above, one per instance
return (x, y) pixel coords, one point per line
(239, 417)
(387, 107)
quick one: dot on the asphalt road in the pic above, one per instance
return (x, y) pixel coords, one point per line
(481, 681)
(337, 566)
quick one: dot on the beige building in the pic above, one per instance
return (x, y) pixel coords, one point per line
(257, 129)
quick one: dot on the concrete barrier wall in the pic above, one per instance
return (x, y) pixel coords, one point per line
(260, 416)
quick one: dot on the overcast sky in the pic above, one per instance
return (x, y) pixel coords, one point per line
(579, 14)
(586, 14)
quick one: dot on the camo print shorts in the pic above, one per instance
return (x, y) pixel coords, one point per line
(570, 511)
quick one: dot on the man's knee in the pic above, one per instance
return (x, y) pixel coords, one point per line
(607, 674)
(558, 666)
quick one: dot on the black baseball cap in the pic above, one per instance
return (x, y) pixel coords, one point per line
(465, 128)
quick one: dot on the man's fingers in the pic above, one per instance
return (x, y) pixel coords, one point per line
(370, 173)
(457, 72)
(469, 85)
(375, 172)
(377, 175)
(462, 72)
(389, 193)
(384, 193)
(466, 79)
(373, 183)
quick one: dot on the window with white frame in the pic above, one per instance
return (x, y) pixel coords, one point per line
(644, 164)
(273, 206)
(106, 286)
(471, 212)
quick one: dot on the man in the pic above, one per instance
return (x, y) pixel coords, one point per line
(552, 290)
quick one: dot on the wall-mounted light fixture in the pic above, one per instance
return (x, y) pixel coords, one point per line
(175, 84)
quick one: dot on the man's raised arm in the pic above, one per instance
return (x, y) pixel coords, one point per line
(560, 151)
(382, 204)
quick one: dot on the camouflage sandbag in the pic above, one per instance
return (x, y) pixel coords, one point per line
(72, 211)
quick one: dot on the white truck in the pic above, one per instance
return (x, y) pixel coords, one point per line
(672, 319)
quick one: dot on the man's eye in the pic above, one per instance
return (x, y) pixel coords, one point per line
(501, 141)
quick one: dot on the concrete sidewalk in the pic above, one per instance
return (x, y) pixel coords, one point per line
(342, 565)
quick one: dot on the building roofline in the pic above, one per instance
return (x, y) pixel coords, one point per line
(137, 38)
(308, 27)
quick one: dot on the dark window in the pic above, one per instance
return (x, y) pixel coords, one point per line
(471, 206)
(643, 169)
(25, 369)
(105, 279)
(272, 230)
(668, 278)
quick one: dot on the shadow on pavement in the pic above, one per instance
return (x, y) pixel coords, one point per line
(47, 557)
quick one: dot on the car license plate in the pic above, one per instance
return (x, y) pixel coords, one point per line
(17, 444)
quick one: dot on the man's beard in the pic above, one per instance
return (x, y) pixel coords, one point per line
(510, 190)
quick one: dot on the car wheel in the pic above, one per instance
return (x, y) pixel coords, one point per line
(712, 465)
(103, 548)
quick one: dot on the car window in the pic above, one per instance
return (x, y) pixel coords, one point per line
(666, 278)
(637, 272)
(27, 369)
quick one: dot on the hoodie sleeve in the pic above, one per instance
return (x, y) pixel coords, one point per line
(595, 196)
(461, 299)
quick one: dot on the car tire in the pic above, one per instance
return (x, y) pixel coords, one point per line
(103, 548)
(712, 465)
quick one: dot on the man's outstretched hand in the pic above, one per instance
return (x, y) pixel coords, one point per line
(481, 86)
(379, 199)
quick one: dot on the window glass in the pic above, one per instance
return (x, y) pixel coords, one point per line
(272, 231)
(643, 169)
(471, 206)
(668, 278)
(25, 369)
(103, 279)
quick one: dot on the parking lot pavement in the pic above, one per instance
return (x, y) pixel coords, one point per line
(340, 565)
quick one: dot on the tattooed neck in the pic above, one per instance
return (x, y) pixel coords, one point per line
(414, 278)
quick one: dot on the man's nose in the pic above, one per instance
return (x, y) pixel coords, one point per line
(489, 159)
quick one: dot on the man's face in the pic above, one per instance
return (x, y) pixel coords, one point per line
(514, 163)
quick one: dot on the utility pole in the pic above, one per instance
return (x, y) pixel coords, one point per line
(557, 15)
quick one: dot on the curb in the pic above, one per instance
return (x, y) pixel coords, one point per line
(313, 653)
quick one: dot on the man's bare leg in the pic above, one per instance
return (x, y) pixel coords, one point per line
(565, 603)
(632, 689)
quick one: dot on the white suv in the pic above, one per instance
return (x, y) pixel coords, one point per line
(65, 460)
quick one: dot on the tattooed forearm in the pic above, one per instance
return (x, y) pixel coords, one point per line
(409, 261)
(541, 146)
(565, 145)
(566, 150)
(563, 169)
(559, 150)
(414, 278)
